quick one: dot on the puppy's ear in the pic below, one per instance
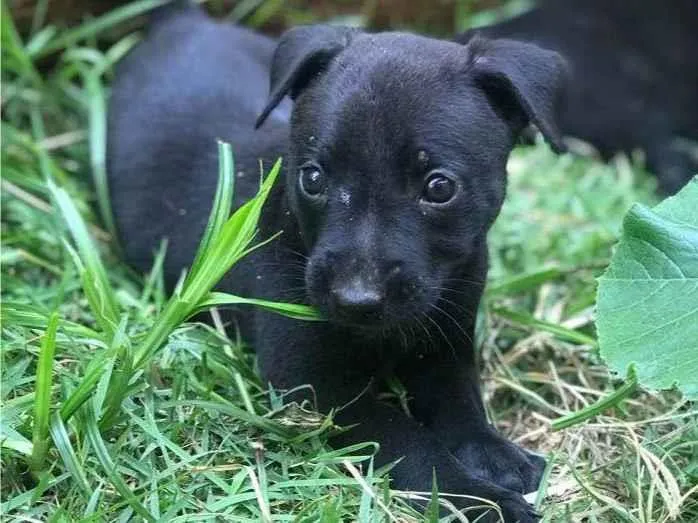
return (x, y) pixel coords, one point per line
(302, 53)
(526, 82)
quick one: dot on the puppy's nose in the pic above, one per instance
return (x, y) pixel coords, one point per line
(358, 301)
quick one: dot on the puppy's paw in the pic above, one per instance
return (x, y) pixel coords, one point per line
(492, 457)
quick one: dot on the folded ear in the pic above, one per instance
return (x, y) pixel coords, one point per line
(526, 82)
(301, 54)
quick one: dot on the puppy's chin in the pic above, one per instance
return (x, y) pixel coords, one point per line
(379, 328)
(367, 327)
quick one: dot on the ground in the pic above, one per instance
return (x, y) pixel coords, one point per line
(90, 432)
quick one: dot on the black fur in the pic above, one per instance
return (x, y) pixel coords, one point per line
(399, 278)
(634, 78)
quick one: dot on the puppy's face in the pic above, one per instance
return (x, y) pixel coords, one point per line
(396, 171)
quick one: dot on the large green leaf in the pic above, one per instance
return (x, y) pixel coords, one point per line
(647, 312)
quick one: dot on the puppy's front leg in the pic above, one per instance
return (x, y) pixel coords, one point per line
(422, 454)
(292, 354)
(446, 398)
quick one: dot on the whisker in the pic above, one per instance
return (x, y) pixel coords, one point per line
(424, 328)
(459, 307)
(465, 280)
(458, 325)
(452, 290)
(403, 337)
(443, 334)
(296, 253)
(294, 264)
(292, 293)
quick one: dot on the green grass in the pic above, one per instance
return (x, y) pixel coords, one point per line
(115, 407)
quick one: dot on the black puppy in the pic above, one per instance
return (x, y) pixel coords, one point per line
(394, 170)
(634, 76)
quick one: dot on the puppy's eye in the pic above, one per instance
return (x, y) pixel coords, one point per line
(312, 180)
(439, 188)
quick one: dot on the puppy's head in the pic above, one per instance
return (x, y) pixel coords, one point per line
(396, 167)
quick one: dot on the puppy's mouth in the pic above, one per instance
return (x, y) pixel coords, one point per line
(370, 320)
(367, 322)
(368, 329)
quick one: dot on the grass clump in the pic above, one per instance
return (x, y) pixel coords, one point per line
(115, 406)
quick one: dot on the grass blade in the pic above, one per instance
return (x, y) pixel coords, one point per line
(13, 440)
(222, 203)
(241, 414)
(13, 49)
(62, 442)
(607, 402)
(26, 316)
(97, 125)
(224, 250)
(109, 467)
(561, 332)
(123, 372)
(291, 310)
(231, 244)
(365, 504)
(42, 399)
(39, 40)
(100, 24)
(85, 390)
(106, 309)
(523, 282)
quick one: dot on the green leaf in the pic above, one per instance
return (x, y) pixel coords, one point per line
(647, 306)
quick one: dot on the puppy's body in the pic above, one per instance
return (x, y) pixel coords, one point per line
(634, 76)
(192, 83)
(394, 170)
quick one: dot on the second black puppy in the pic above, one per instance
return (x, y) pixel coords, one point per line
(395, 163)
(634, 76)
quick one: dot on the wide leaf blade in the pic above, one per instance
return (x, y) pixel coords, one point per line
(647, 312)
